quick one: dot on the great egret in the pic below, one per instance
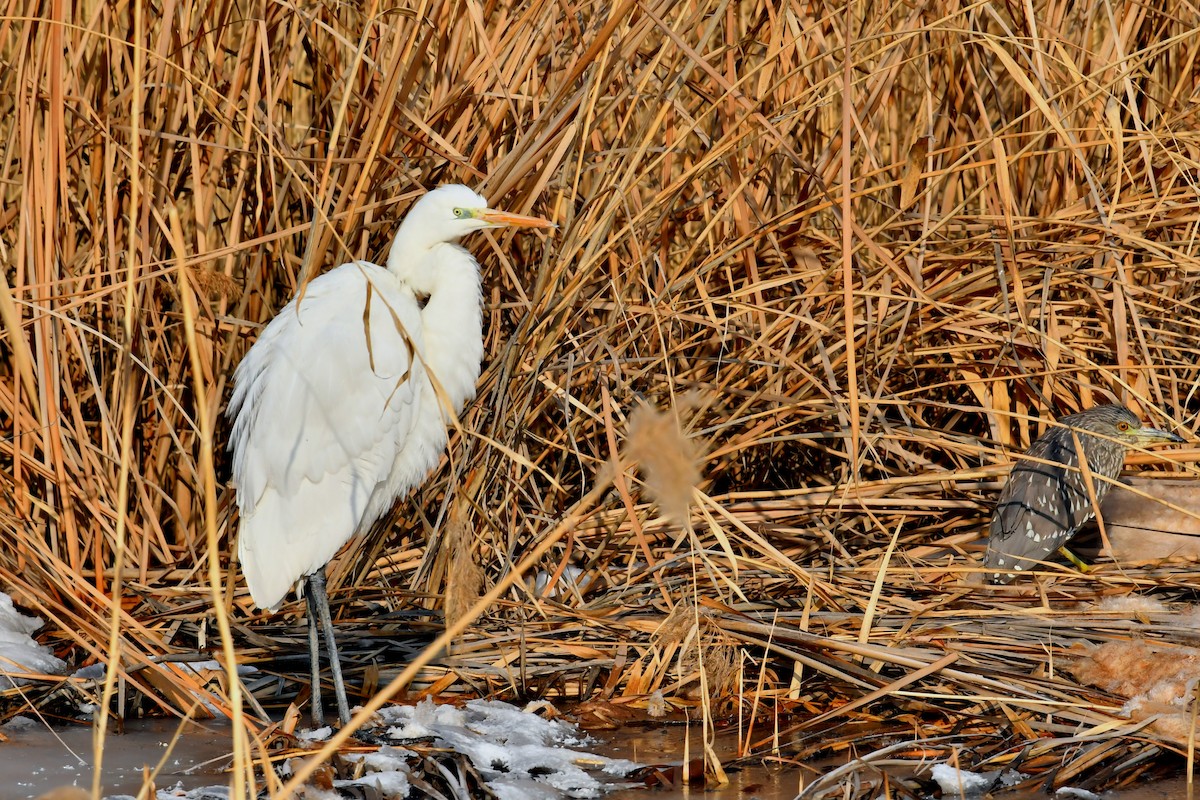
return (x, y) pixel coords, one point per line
(341, 406)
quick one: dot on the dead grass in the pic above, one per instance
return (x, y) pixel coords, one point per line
(878, 244)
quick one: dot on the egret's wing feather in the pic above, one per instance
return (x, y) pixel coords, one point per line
(322, 405)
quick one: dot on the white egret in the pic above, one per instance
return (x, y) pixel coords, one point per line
(342, 404)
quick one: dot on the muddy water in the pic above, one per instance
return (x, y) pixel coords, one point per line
(666, 745)
(35, 760)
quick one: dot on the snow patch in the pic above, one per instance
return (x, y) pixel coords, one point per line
(961, 782)
(18, 651)
(966, 784)
(1076, 794)
(520, 754)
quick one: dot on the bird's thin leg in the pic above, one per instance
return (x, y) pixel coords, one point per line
(316, 589)
(314, 657)
(1079, 563)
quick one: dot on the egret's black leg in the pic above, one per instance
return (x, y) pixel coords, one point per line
(314, 657)
(317, 597)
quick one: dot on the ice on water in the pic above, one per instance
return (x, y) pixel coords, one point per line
(521, 754)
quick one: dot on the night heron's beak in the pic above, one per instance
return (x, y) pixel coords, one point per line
(1147, 435)
(500, 219)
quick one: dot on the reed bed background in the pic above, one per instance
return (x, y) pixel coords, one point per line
(857, 255)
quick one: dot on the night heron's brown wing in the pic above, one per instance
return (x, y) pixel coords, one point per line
(1047, 499)
(1043, 505)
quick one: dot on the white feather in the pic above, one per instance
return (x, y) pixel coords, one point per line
(320, 421)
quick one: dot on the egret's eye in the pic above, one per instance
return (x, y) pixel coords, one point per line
(460, 212)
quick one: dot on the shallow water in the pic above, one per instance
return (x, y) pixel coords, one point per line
(758, 782)
(35, 760)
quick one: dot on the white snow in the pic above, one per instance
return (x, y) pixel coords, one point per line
(385, 772)
(314, 736)
(92, 672)
(966, 784)
(18, 651)
(961, 782)
(520, 754)
(1076, 794)
(20, 724)
(177, 792)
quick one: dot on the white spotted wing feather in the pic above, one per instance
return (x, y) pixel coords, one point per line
(1043, 504)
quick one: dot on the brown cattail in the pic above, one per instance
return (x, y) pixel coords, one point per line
(669, 459)
(464, 578)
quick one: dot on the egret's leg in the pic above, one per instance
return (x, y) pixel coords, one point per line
(314, 657)
(316, 590)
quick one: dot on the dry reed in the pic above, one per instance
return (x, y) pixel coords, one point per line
(878, 244)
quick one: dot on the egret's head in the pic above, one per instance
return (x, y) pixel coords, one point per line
(450, 212)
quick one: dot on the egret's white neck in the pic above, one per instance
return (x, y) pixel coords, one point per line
(409, 248)
(452, 322)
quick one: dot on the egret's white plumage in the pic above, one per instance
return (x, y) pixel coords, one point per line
(335, 408)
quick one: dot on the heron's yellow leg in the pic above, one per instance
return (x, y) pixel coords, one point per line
(1076, 560)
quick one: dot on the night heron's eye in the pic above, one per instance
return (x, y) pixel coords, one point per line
(1123, 426)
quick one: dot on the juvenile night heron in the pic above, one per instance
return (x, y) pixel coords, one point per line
(1045, 501)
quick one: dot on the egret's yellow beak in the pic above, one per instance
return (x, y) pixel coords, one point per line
(501, 219)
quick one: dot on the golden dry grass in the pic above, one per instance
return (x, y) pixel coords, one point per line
(877, 244)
